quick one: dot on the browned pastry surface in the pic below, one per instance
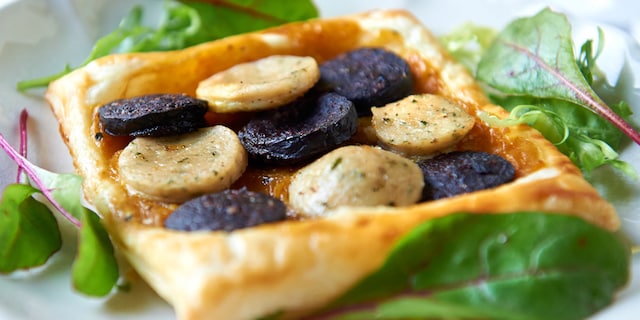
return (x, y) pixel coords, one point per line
(297, 265)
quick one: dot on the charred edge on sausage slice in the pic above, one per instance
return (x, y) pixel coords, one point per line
(368, 77)
(300, 131)
(461, 172)
(153, 115)
(227, 211)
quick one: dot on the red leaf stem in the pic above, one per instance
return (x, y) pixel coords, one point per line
(24, 115)
(29, 169)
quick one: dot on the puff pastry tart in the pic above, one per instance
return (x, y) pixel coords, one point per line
(302, 263)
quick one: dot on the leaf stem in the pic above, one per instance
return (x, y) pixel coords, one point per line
(27, 166)
(25, 85)
(606, 112)
(23, 141)
(249, 10)
(344, 310)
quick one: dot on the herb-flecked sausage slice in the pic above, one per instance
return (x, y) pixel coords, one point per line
(459, 172)
(300, 131)
(263, 84)
(177, 168)
(421, 124)
(226, 211)
(355, 176)
(368, 76)
(153, 115)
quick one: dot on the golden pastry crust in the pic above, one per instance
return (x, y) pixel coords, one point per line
(295, 266)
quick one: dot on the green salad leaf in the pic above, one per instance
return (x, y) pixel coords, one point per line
(532, 62)
(95, 268)
(224, 18)
(588, 140)
(66, 189)
(188, 23)
(29, 232)
(523, 265)
(587, 58)
(468, 42)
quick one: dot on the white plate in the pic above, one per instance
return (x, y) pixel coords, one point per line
(37, 37)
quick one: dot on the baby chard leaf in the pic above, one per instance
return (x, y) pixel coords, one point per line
(95, 269)
(525, 265)
(29, 231)
(224, 18)
(534, 56)
(66, 189)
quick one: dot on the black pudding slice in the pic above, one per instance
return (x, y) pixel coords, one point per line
(370, 77)
(455, 173)
(226, 211)
(300, 131)
(153, 115)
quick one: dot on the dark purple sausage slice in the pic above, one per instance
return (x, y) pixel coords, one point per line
(300, 131)
(460, 172)
(153, 115)
(226, 211)
(369, 77)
